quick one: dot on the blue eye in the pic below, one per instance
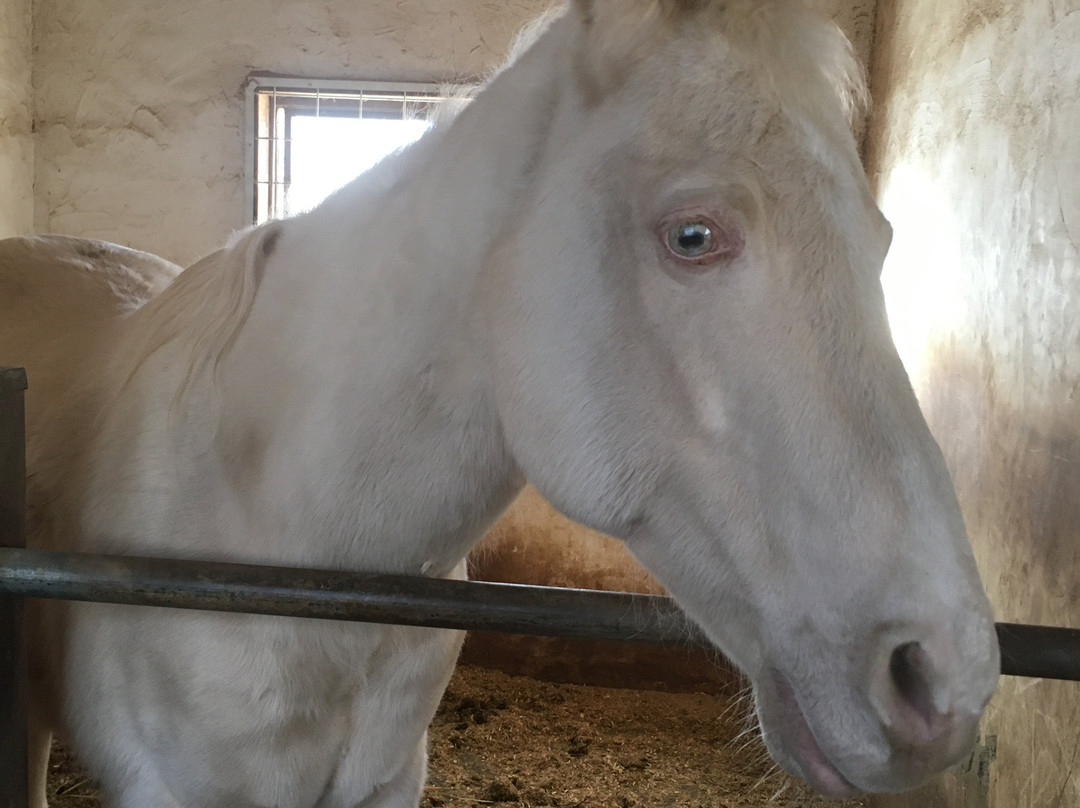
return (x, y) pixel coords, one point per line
(690, 239)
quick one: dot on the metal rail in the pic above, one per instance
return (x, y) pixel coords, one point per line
(336, 595)
(1038, 651)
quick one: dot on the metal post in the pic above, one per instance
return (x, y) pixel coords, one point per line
(13, 753)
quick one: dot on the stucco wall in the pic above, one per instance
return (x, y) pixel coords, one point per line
(139, 103)
(16, 138)
(975, 153)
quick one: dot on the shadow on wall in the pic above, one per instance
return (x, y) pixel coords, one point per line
(1014, 454)
(1016, 467)
(534, 544)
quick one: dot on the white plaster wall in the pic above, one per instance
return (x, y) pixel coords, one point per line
(16, 138)
(139, 103)
(976, 157)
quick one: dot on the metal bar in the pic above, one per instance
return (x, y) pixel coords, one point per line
(335, 595)
(1044, 652)
(13, 752)
(1037, 651)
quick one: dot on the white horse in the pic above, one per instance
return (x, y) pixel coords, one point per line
(641, 271)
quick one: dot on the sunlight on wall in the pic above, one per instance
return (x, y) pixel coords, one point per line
(329, 152)
(923, 297)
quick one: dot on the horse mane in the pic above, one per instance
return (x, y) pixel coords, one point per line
(805, 57)
(206, 306)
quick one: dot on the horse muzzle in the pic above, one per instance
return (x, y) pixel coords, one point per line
(916, 715)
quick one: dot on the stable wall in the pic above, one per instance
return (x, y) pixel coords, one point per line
(16, 138)
(139, 103)
(975, 154)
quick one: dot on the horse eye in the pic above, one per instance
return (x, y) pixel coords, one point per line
(690, 239)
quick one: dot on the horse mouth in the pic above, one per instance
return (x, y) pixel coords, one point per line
(801, 755)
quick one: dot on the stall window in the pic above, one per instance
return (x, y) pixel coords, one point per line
(307, 138)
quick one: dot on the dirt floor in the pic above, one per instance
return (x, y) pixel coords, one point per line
(512, 740)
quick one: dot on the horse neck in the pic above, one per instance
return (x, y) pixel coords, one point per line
(457, 186)
(389, 286)
(408, 261)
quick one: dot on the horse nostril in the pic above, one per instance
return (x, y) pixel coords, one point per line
(912, 676)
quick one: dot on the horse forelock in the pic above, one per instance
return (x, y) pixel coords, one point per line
(804, 59)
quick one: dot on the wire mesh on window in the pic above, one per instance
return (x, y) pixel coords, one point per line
(278, 108)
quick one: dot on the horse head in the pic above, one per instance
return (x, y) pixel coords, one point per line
(691, 352)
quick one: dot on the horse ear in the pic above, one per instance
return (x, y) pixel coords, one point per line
(616, 31)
